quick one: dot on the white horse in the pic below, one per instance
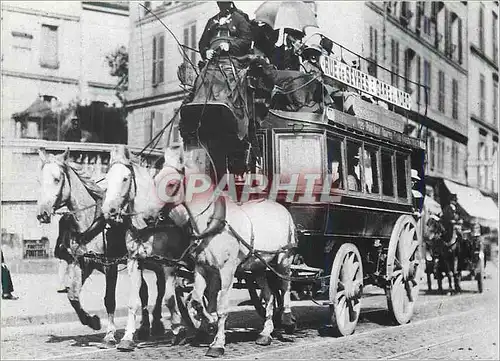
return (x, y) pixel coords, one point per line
(131, 191)
(62, 184)
(265, 226)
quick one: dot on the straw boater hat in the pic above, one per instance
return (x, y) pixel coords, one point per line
(414, 175)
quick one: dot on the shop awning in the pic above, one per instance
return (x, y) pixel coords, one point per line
(479, 207)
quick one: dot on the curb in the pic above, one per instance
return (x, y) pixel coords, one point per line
(14, 321)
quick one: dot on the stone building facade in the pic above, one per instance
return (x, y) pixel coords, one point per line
(52, 50)
(483, 96)
(425, 42)
(58, 49)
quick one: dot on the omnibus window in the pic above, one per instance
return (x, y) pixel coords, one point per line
(353, 166)
(401, 173)
(334, 149)
(387, 181)
(371, 169)
(299, 154)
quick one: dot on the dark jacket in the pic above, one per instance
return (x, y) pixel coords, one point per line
(237, 31)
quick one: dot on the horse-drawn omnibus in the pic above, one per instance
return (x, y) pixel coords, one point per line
(337, 191)
(345, 179)
(359, 232)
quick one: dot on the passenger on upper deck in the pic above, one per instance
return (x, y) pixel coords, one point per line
(228, 32)
(286, 55)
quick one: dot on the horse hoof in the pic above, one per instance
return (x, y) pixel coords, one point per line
(94, 323)
(215, 352)
(110, 343)
(180, 338)
(289, 323)
(143, 333)
(126, 345)
(157, 329)
(263, 340)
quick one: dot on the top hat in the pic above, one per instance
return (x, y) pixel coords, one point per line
(414, 175)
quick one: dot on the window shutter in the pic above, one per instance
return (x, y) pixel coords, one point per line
(154, 61)
(193, 43)
(161, 58)
(49, 51)
(460, 58)
(186, 42)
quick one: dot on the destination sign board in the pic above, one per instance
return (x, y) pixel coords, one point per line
(350, 76)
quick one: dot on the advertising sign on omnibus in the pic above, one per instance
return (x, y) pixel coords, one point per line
(355, 78)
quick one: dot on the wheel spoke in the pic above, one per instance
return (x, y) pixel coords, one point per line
(349, 266)
(355, 269)
(339, 295)
(413, 248)
(408, 289)
(340, 286)
(352, 311)
(341, 310)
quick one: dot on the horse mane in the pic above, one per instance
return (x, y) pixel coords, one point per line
(96, 192)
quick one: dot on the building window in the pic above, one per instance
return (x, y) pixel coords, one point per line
(447, 33)
(21, 40)
(495, 102)
(372, 68)
(395, 63)
(494, 35)
(190, 41)
(454, 159)
(460, 45)
(486, 166)
(157, 127)
(409, 55)
(481, 152)
(482, 104)
(419, 78)
(432, 152)
(454, 93)
(427, 81)
(441, 99)
(49, 47)
(440, 154)
(493, 155)
(481, 27)
(158, 59)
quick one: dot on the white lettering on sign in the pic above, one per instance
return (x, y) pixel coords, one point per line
(364, 82)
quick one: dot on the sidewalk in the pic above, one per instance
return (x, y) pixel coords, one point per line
(39, 303)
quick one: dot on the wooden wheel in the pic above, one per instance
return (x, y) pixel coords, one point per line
(403, 269)
(346, 287)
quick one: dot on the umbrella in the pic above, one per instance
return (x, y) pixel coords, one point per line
(286, 14)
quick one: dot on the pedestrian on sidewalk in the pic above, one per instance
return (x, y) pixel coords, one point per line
(7, 286)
